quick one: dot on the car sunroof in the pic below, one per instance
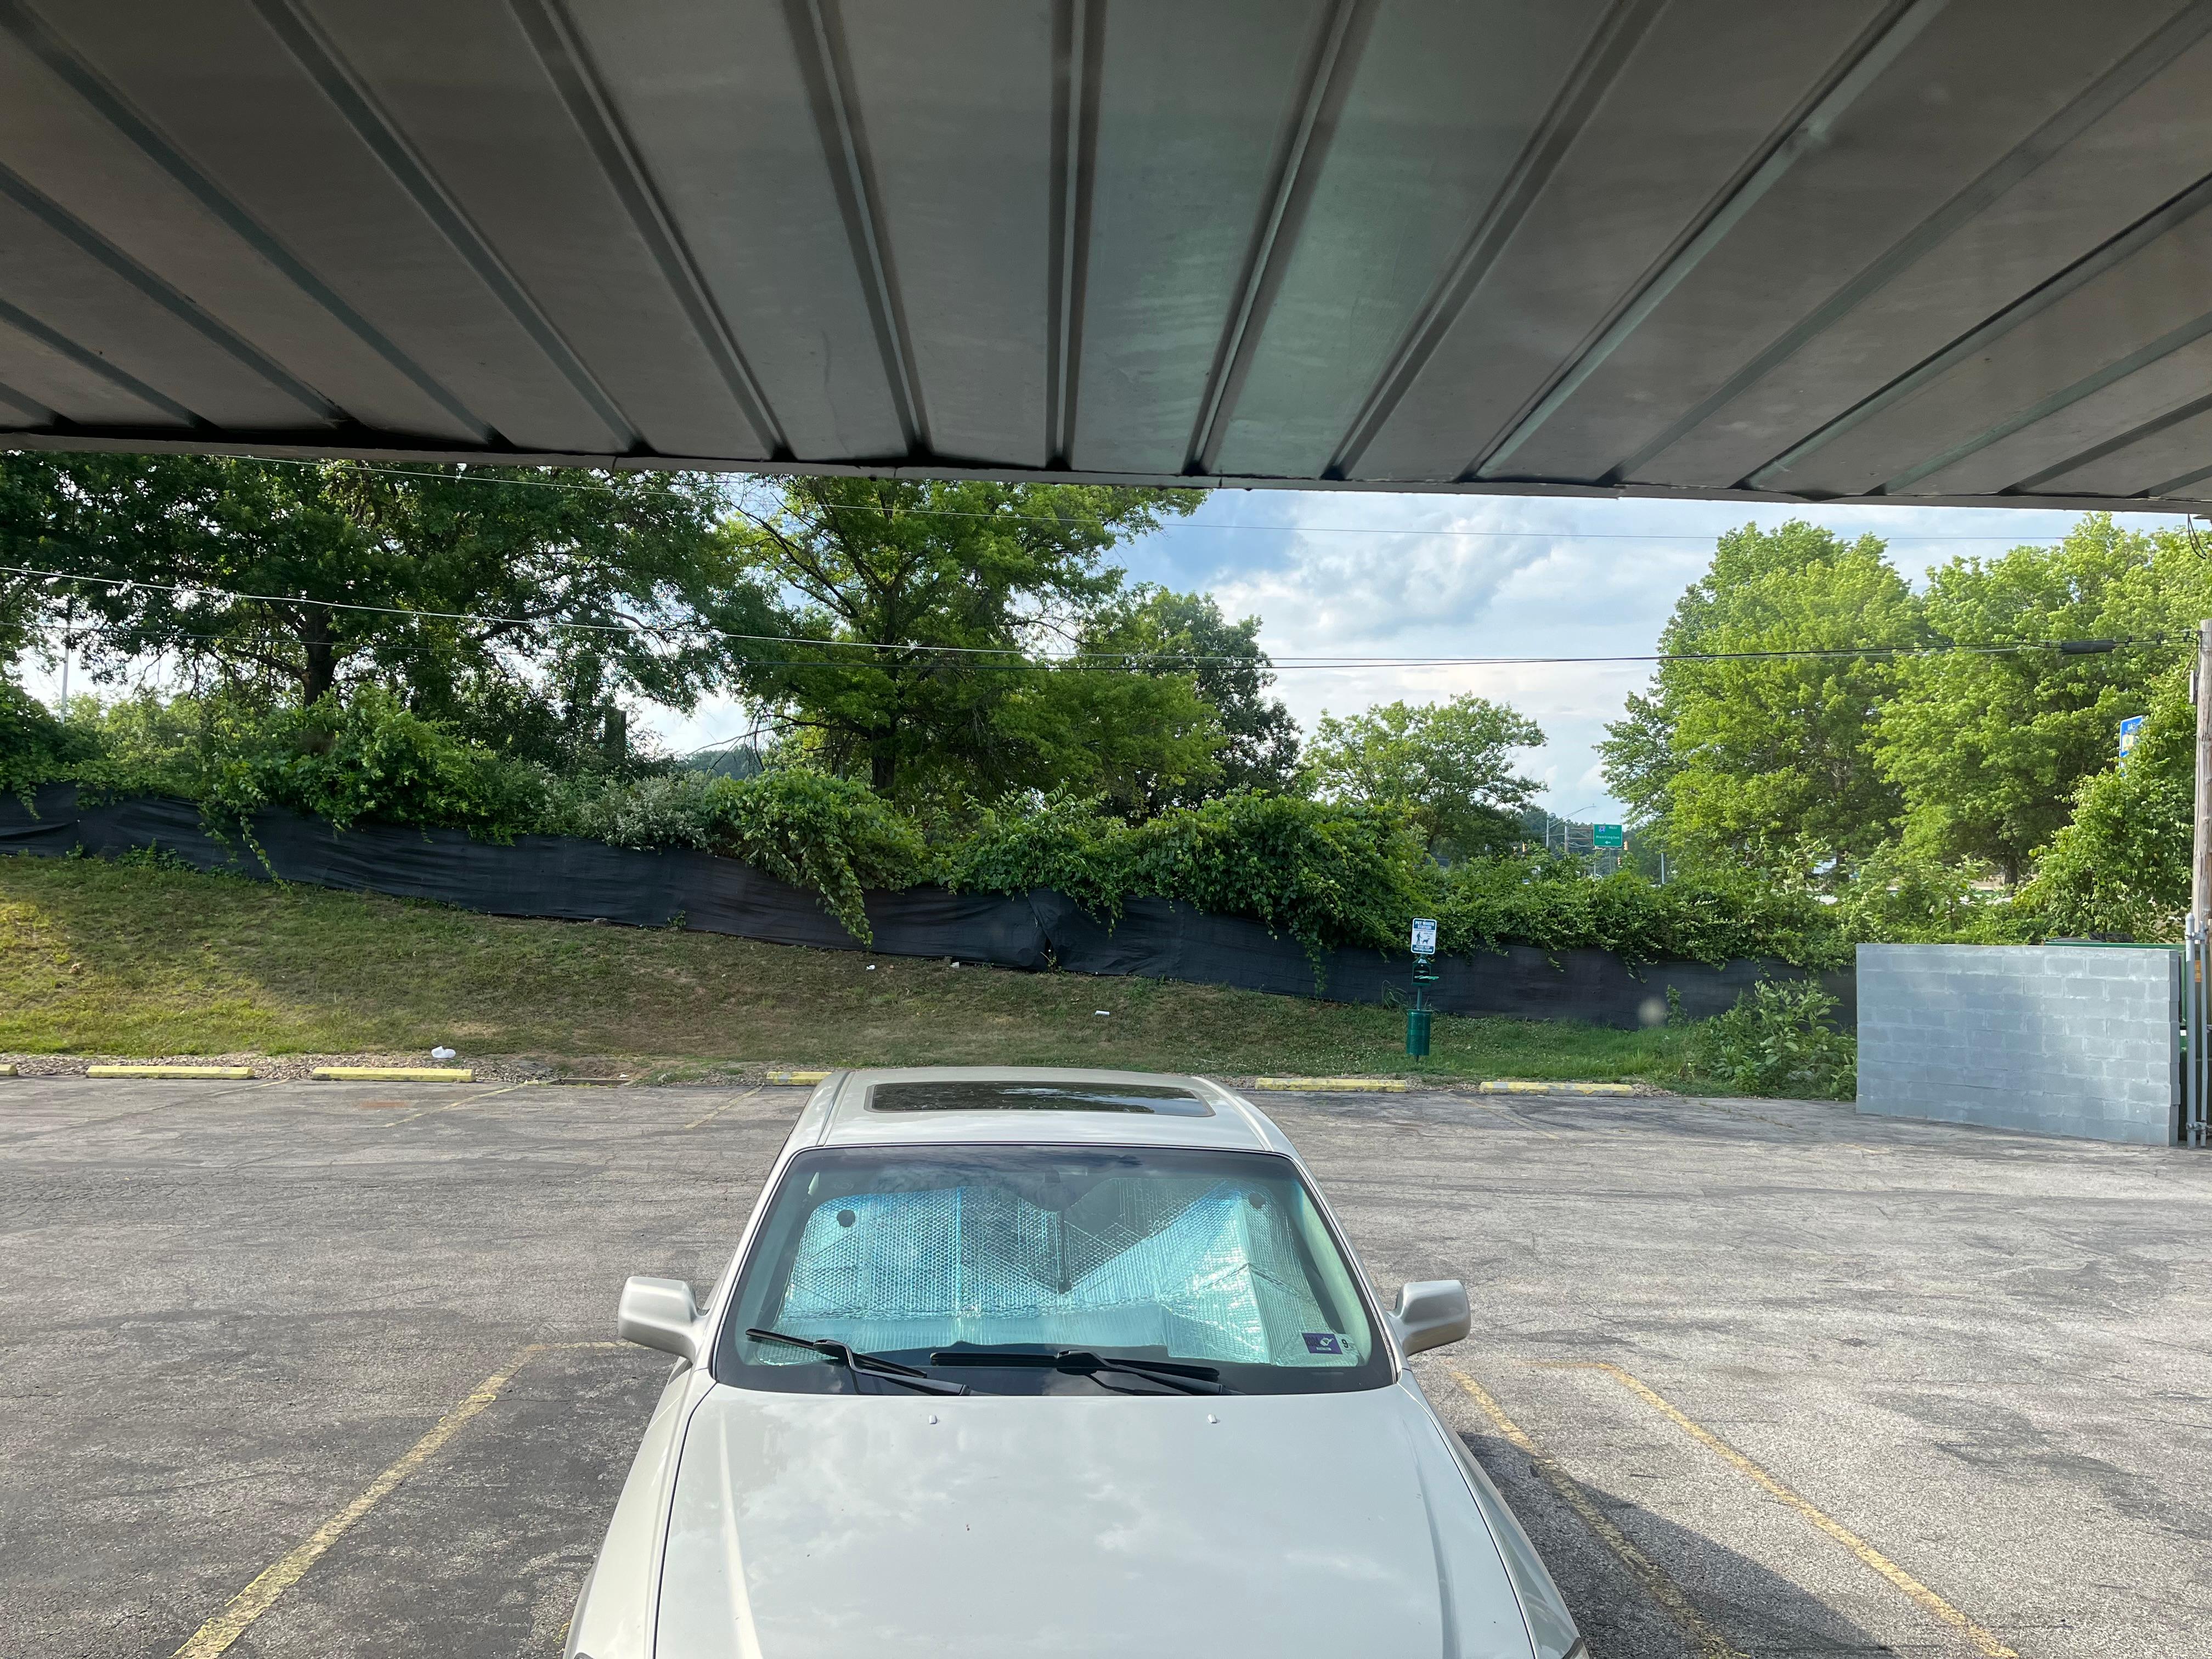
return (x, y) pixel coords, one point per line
(1013, 1096)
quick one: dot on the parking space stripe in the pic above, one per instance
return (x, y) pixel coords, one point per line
(1708, 1642)
(451, 1105)
(216, 1636)
(136, 1111)
(734, 1100)
(1983, 1638)
(1519, 1118)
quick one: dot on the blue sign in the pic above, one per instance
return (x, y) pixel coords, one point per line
(2130, 728)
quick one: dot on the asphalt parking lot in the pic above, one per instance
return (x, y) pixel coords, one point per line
(323, 1369)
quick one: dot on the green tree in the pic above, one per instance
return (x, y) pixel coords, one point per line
(1756, 757)
(439, 582)
(921, 605)
(1185, 635)
(1140, 742)
(2120, 864)
(1640, 762)
(1449, 765)
(1989, 749)
(27, 608)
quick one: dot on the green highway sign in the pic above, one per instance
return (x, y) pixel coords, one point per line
(1607, 834)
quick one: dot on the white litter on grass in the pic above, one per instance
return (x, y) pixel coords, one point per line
(442, 1053)
(1102, 1011)
(871, 967)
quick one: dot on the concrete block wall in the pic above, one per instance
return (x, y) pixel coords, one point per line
(2058, 1040)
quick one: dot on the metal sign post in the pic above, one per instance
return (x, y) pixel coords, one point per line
(1420, 1015)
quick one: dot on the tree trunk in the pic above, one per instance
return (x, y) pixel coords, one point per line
(321, 670)
(883, 767)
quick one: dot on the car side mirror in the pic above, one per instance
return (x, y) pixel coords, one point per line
(1429, 1313)
(659, 1313)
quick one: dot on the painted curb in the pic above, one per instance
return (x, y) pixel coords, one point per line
(798, 1077)
(167, 1071)
(1333, 1085)
(392, 1074)
(8, 1069)
(1504, 1086)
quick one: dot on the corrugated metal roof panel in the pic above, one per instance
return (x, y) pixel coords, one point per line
(1941, 250)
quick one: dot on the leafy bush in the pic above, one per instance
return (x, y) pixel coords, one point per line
(1900, 896)
(367, 759)
(829, 835)
(1071, 844)
(1325, 874)
(672, 809)
(1777, 1039)
(143, 744)
(1714, 915)
(34, 747)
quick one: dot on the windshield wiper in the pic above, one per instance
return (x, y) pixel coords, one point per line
(863, 1365)
(1185, 1379)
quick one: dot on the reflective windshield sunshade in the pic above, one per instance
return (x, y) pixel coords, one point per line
(1195, 1267)
(1205, 1258)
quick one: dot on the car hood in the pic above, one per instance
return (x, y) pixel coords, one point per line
(914, 1527)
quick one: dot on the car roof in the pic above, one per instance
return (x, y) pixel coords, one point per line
(838, 1114)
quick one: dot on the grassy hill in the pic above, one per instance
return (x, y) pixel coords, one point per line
(137, 957)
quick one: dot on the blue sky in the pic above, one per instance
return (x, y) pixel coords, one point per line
(1361, 574)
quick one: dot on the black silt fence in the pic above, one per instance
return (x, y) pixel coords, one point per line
(565, 878)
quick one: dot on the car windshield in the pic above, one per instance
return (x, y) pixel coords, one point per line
(1218, 1264)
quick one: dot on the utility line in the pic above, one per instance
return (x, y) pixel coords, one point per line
(1122, 661)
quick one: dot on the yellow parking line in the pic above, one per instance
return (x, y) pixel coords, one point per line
(1987, 1640)
(1709, 1642)
(1508, 1113)
(733, 1101)
(1333, 1085)
(470, 1100)
(216, 1636)
(1516, 1087)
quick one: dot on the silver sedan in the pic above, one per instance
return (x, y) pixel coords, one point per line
(1012, 1362)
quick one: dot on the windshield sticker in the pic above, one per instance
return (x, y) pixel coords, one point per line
(1324, 1342)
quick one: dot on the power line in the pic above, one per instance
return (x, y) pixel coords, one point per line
(1124, 661)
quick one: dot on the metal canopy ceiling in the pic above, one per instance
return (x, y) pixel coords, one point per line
(1940, 250)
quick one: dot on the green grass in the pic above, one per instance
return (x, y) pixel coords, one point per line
(136, 958)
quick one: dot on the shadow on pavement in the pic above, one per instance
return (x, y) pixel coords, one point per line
(1754, 1609)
